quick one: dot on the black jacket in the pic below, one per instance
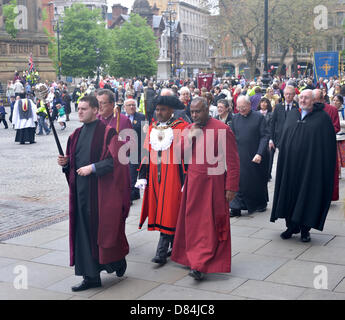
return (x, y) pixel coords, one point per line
(278, 120)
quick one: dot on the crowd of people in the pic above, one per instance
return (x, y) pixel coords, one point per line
(189, 201)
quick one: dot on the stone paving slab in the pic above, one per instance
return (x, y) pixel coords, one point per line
(265, 290)
(65, 285)
(253, 266)
(341, 286)
(172, 292)
(39, 275)
(241, 244)
(16, 251)
(301, 273)
(169, 273)
(8, 292)
(335, 255)
(60, 244)
(337, 241)
(221, 283)
(284, 249)
(318, 239)
(36, 238)
(128, 289)
(57, 258)
(312, 294)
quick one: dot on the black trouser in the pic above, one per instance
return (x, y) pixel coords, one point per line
(294, 226)
(163, 245)
(5, 122)
(271, 152)
(135, 192)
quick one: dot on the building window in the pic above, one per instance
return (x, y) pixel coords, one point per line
(340, 44)
(340, 18)
(237, 49)
(3, 49)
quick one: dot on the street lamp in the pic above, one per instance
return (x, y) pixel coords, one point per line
(98, 66)
(58, 25)
(265, 75)
(170, 15)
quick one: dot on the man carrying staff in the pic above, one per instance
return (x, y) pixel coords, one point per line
(99, 202)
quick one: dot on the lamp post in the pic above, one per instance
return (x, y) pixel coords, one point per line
(98, 63)
(58, 24)
(170, 15)
(265, 75)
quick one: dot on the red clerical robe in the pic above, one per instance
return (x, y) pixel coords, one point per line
(162, 198)
(202, 240)
(109, 199)
(334, 115)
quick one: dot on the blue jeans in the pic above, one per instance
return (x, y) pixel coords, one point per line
(42, 125)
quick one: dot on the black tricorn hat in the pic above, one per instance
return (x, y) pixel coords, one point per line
(169, 101)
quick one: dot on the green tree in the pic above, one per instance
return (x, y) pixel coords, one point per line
(134, 49)
(9, 18)
(84, 41)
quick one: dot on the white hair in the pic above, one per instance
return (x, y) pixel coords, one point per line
(245, 98)
(130, 100)
(184, 89)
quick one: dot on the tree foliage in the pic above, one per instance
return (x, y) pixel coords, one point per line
(9, 18)
(134, 49)
(291, 26)
(84, 41)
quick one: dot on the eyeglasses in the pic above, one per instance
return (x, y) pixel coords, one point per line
(130, 105)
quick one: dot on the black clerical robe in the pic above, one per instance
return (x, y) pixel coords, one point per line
(305, 169)
(252, 137)
(97, 223)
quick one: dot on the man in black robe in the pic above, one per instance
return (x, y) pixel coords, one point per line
(252, 137)
(97, 202)
(305, 169)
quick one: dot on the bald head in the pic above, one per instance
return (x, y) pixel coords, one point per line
(244, 105)
(318, 96)
(167, 92)
(306, 100)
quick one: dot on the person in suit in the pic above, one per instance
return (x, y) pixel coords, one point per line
(137, 119)
(278, 120)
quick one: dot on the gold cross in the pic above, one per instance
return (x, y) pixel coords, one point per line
(326, 67)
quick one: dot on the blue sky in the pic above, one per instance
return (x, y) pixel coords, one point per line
(125, 3)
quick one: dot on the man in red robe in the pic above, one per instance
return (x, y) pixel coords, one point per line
(202, 240)
(98, 203)
(163, 174)
(334, 115)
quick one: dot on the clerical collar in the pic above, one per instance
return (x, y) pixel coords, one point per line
(91, 123)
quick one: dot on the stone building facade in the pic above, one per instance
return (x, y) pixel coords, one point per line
(31, 38)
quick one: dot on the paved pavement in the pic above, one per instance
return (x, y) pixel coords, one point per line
(33, 194)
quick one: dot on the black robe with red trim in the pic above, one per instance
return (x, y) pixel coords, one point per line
(99, 203)
(162, 196)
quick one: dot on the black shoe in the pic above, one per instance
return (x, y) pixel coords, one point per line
(159, 260)
(288, 233)
(87, 284)
(235, 213)
(261, 209)
(121, 271)
(197, 275)
(305, 236)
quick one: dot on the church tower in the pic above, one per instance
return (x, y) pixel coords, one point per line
(143, 8)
